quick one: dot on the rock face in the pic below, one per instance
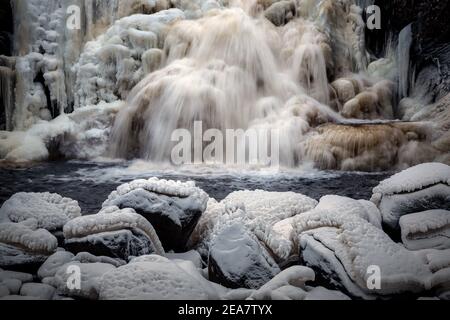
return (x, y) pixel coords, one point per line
(172, 208)
(113, 232)
(238, 260)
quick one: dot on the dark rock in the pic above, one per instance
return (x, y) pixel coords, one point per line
(238, 260)
(173, 218)
(120, 244)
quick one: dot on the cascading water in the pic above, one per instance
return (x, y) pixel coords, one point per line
(298, 67)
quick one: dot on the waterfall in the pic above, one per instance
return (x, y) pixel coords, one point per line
(7, 84)
(403, 60)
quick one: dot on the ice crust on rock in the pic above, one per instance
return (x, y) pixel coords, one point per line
(111, 219)
(158, 278)
(53, 263)
(415, 178)
(50, 210)
(38, 290)
(259, 211)
(347, 245)
(426, 230)
(91, 274)
(31, 239)
(238, 260)
(172, 207)
(420, 188)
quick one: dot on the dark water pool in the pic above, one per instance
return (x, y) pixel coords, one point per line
(90, 183)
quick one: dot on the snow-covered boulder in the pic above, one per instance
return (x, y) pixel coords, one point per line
(344, 250)
(426, 230)
(172, 207)
(420, 188)
(38, 290)
(158, 278)
(282, 237)
(281, 12)
(260, 211)
(53, 263)
(290, 284)
(90, 274)
(113, 232)
(23, 246)
(238, 260)
(13, 285)
(50, 210)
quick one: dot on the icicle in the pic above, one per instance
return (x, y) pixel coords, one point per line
(403, 61)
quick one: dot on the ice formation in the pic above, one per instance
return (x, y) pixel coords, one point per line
(157, 278)
(111, 219)
(420, 188)
(237, 260)
(344, 247)
(287, 65)
(173, 208)
(426, 230)
(50, 210)
(91, 275)
(29, 238)
(258, 210)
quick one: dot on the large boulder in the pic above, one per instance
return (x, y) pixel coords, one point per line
(238, 260)
(173, 208)
(426, 230)
(345, 250)
(113, 232)
(260, 212)
(24, 247)
(157, 278)
(420, 188)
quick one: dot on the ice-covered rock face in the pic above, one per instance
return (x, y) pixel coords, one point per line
(50, 210)
(426, 230)
(23, 246)
(260, 211)
(157, 278)
(238, 260)
(119, 233)
(91, 275)
(173, 208)
(342, 249)
(420, 188)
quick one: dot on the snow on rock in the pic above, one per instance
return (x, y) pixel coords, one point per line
(238, 260)
(29, 238)
(260, 211)
(13, 285)
(4, 291)
(21, 276)
(86, 257)
(114, 232)
(90, 273)
(192, 256)
(343, 248)
(426, 230)
(158, 278)
(37, 290)
(282, 236)
(420, 188)
(50, 210)
(172, 207)
(53, 263)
